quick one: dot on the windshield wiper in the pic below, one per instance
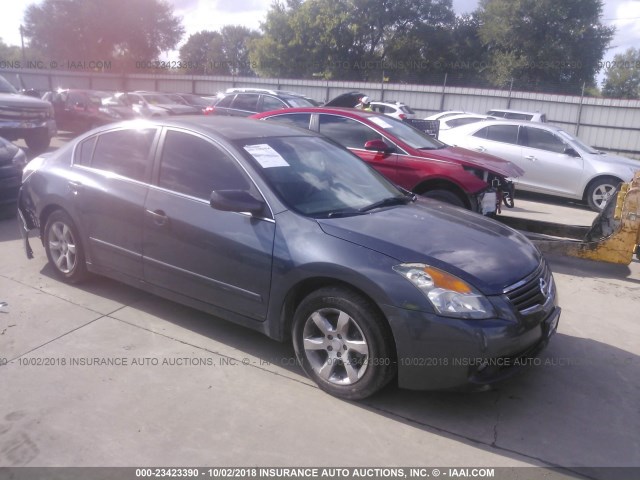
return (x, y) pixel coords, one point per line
(347, 212)
(389, 201)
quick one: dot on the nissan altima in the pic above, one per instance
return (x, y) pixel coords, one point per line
(285, 232)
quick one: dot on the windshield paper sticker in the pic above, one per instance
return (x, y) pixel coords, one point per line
(380, 122)
(266, 156)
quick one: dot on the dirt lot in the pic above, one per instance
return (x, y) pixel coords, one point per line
(188, 389)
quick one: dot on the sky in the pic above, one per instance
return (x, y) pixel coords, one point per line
(200, 15)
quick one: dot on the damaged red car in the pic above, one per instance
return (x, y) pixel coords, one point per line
(410, 158)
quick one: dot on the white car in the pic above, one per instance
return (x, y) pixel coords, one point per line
(394, 109)
(554, 161)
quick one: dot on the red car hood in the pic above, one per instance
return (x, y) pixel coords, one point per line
(474, 159)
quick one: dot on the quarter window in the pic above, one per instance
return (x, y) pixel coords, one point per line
(347, 132)
(195, 167)
(125, 152)
(84, 151)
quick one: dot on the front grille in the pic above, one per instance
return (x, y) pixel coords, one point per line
(531, 292)
(23, 113)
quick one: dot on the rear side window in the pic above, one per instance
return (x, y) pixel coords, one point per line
(518, 116)
(300, 120)
(456, 122)
(125, 152)
(502, 133)
(195, 167)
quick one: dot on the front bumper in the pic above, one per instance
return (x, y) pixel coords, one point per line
(16, 129)
(439, 353)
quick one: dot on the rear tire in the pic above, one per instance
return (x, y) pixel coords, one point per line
(38, 140)
(600, 191)
(63, 247)
(343, 343)
(445, 196)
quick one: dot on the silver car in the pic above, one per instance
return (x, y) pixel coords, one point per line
(555, 162)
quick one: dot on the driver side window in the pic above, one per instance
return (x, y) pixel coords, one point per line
(543, 140)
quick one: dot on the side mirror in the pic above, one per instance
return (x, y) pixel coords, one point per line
(571, 152)
(235, 201)
(378, 146)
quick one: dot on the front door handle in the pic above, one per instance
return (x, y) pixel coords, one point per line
(159, 217)
(530, 157)
(75, 186)
(480, 149)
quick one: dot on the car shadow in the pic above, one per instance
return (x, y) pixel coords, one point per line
(551, 200)
(590, 268)
(576, 407)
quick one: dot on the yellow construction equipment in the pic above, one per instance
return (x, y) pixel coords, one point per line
(613, 237)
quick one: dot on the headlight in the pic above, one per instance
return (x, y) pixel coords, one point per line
(449, 295)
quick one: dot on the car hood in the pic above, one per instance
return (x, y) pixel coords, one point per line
(616, 160)
(476, 159)
(22, 101)
(483, 252)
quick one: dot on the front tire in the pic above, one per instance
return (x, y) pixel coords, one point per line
(600, 191)
(63, 247)
(343, 343)
(445, 196)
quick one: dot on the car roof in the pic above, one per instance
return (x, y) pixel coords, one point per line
(230, 128)
(347, 112)
(513, 111)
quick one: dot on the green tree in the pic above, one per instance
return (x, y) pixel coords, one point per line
(235, 48)
(203, 52)
(99, 30)
(622, 78)
(347, 39)
(544, 43)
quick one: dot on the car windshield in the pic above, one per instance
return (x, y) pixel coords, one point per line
(6, 87)
(406, 133)
(319, 179)
(582, 146)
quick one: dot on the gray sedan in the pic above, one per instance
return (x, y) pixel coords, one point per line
(555, 162)
(285, 232)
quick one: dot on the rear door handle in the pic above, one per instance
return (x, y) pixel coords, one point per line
(159, 217)
(531, 157)
(480, 149)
